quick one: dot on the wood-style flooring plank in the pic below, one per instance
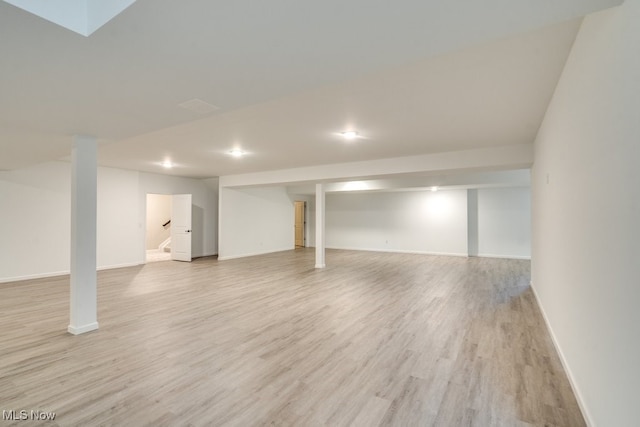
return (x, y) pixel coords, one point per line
(374, 339)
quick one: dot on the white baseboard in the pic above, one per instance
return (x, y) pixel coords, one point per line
(67, 272)
(225, 258)
(576, 391)
(504, 256)
(77, 330)
(33, 276)
(398, 251)
(111, 267)
(64, 273)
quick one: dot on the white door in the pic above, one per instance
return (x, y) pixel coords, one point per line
(181, 227)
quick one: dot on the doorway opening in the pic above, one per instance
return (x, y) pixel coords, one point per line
(158, 236)
(168, 230)
(300, 223)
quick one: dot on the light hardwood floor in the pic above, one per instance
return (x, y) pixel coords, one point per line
(373, 339)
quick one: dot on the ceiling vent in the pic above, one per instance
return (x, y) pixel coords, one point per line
(199, 106)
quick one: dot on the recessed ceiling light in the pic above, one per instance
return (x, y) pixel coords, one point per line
(236, 153)
(350, 134)
(355, 186)
(434, 188)
(167, 164)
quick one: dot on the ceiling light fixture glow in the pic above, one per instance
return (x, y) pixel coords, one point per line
(355, 186)
(434, 188)
(236, 153)
(167, 164)
(350, 134)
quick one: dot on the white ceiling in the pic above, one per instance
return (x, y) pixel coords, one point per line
(414, 77)
(82, 16)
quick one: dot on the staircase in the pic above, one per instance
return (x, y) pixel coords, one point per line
(166, 245)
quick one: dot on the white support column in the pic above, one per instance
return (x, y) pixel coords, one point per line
(320, 263)
(472, 223)
(84, 174)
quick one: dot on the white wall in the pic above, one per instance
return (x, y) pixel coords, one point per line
(412, 221)
(399, 221)
(504, 222)
(158, 213)
(119, 234)
(431, 222)
(255, 221)
(586, 208)
(35, 218)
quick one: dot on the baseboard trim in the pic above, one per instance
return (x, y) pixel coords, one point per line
(77, 330)
(226, 258)
(127, 264)
(398, 251)
(503, 256)
(565, 364)
(34, 276)
(65, 272)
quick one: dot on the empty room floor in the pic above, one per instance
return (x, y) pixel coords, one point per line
(373, 339)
